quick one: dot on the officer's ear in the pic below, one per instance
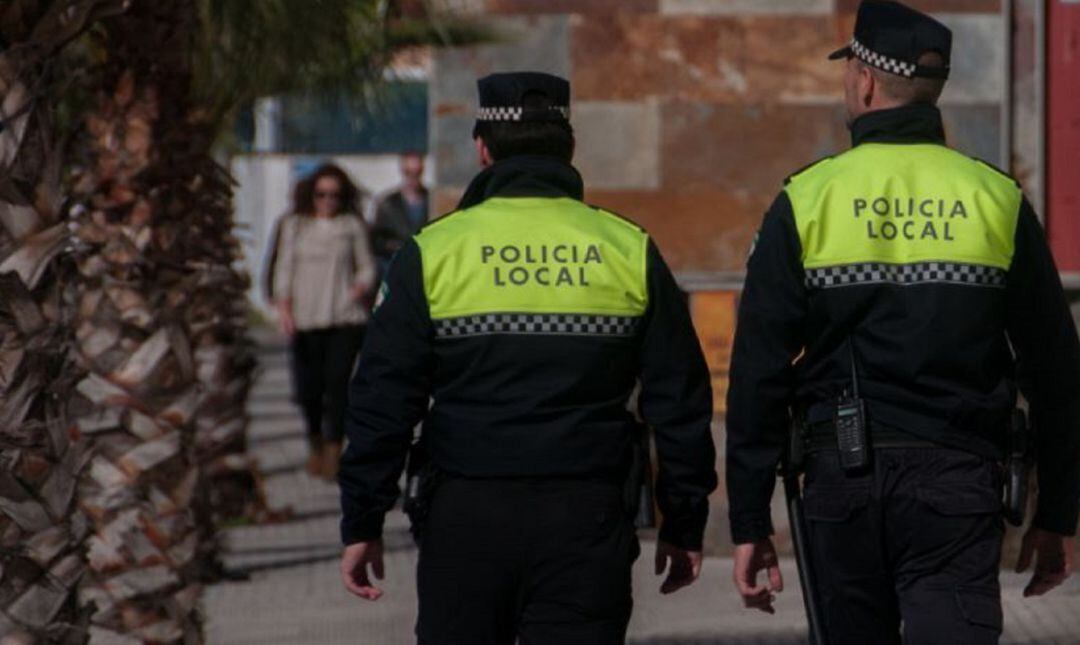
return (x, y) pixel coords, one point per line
(867, 87)
(482, 152)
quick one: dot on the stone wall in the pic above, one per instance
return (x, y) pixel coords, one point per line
(689, 114)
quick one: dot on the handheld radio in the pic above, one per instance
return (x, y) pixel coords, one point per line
(852, 438)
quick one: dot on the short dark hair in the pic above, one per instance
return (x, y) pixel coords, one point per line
(913, 90)
(512, 138)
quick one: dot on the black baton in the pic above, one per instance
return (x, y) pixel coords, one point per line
(802, 556)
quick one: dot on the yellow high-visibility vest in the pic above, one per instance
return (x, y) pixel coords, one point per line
(904, 214)
(534, 265)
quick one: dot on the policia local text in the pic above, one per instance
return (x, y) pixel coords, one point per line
(566, 255)
(920, 216)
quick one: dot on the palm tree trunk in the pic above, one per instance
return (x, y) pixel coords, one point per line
(154, 291)
(41, 455)
(39, 533)
(124, 360)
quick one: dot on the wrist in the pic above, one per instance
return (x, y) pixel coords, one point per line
(751, 528)
(1052, 529)
(684, 538)
(765, 541)
(1053, 522)
(367, 529)
(363, 543)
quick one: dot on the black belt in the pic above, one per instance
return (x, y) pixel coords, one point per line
(823, 437)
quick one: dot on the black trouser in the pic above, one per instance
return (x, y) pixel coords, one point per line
(916, 539)
(539, 562)
(322, 362)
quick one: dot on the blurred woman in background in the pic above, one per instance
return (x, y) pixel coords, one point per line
(324, 270)
(301, 194)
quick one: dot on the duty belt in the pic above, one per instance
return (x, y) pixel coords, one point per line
(822, 436)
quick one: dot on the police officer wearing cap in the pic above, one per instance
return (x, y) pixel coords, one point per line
(527, 317)
(897, 297)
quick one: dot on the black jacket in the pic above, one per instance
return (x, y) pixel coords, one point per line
(392, 227)
(513, 406)
(936, 360)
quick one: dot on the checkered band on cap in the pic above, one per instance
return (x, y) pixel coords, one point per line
(536, 324)
(975, 275)
(514, 113)
(882, 62)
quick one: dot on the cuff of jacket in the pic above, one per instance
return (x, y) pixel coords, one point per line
(748, 528)
(362, 529)
(1056, 518)
(685, 533)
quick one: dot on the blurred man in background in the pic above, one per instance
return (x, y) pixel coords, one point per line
(400, 213)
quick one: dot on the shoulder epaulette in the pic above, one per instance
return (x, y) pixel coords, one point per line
(611, 213)
(440, 220)
(807, 167)
(998, 170)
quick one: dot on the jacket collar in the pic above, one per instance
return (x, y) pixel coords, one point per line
(920, 123)
(524, 176)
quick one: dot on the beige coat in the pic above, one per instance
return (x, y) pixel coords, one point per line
(320, 264)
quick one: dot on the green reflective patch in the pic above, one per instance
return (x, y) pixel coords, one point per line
(753, 245)
(384, 293)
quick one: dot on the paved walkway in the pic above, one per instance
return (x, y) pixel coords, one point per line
(293, 595)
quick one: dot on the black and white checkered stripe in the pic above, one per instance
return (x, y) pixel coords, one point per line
(513, 113)
(499, 114)
(882, 62)
(975, 275)
(536, 324)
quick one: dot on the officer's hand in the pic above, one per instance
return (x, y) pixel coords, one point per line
(354, 563)
(1054, 556)
(685, 566)
(751, 559)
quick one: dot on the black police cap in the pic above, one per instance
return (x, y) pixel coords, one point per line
(523, 96)
(891, 37)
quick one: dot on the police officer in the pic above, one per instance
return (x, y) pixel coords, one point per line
(527, 316)
(905, 290)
